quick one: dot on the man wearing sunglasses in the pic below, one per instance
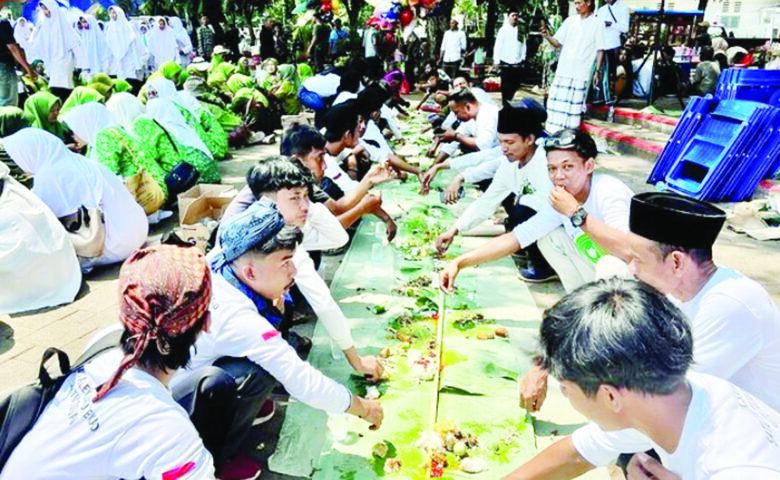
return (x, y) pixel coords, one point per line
(574, 227)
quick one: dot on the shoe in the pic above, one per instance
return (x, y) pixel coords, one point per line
(531, 274)
(240, 467)
(266, 412)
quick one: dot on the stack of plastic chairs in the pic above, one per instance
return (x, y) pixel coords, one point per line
(724, 145)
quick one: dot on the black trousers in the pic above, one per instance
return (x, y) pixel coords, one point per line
(452, 69)
(510, 80)
(222, 401)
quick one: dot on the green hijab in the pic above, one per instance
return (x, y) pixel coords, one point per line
(171, 70)
(287, 73)
(238, 81)
(13, 119)
(304, 71)
(80, 96)
(245, 95)
(103, 79)
(122, 86)
(38, 106)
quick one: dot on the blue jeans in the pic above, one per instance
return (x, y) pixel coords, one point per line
(9, 86)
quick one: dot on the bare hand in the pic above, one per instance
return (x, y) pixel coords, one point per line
(427, 179)
(368, 410)
(644, 467)
(452, 192)
(563, 201)
(390, 229)
(432, 151)
(379, 174)
(533, 389)
(448, 135)
(444, 240)
(370, 367)
(447, 277)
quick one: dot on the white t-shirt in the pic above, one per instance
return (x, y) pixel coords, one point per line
(736, 334)
(238, 330)
(618, 16)
(728, 435)
(323, 85)
(609, 201)
(375, 143)
(580, 39)
(507, 48)
(369, 47)
(137, 430)
(643, 77)
(453, 44)
(509, 178)
(334, 171)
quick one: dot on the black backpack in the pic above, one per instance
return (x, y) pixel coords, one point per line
(20, 409)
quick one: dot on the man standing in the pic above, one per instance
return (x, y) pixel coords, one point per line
(338, 40)
(615, 15)
(581, 42)
(452, 47)
(508, 53)
(369, 42)
(9, 82)
(205, 38)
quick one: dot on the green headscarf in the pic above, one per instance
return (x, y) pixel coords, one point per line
(122, 86)
(238, 81)
(13, 119)
(304, 71)
(287, 73)
(171, 70)
(80, 96)
(245, 95)
(102, 78)
(38, 106)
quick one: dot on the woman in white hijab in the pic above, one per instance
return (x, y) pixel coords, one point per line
(66, 181)
(55, 42)
(162, 43)
(38, 266)
(162, 106)
(92, 55)
(122, 40)
(125, 108)
(184, 41)
(85, 121)
(23, 30)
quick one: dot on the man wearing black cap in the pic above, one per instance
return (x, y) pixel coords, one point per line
(522, 170)
(736, 326)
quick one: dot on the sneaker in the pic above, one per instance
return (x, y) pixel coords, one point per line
(240, 467)
(534, 275)
(266, 412)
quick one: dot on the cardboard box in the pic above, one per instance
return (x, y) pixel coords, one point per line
(306, 118)
(203, 201)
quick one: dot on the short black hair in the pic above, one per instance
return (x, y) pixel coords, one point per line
(617, 332)
(706, 54)
(700, 256)
(277, 173)
(180, 348)
(350, 81)
(464, 95)
(288, 238)
(524, 117)
(300, 140)
(340, 119)
(371, 99)
(584, 145)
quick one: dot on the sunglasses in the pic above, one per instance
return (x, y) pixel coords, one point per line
(564, 140)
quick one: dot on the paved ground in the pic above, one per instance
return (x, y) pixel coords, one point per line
(23, 338)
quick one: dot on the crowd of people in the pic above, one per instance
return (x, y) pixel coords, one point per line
(661, 348)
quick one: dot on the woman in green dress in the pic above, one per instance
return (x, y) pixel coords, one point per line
(196, 86)
(43, 109)
(287, 90)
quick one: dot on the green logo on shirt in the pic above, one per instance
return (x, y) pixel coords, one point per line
(588, 248)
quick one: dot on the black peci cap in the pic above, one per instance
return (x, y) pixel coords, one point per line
(675, 220)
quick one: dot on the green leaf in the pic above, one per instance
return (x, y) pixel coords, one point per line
(449, 389)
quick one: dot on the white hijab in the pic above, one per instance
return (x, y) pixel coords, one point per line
(54, 39)
(120, 35)
(125, 108)
(168, 115)
(58, 173)
(87, 120)
(23, 30)
(92, 51)
(181, 34)
(162, 43)
(166, 89)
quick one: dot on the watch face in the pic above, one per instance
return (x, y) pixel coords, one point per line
(579, 217)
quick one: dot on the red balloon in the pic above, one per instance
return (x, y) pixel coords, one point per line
(406, 17)
(389, 37)
(327, 7)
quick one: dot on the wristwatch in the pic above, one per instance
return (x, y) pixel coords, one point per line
(578, 219)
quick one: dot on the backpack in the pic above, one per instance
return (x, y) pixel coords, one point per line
(20, 409)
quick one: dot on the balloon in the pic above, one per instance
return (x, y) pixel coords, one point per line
(406, 17)
(389, 37)
(327, 7)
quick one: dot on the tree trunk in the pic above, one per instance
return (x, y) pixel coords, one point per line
(248, 17)
(490, 27)
(439, 24)
(702, 5)
(563, 8)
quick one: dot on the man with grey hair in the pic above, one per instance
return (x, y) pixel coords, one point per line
(622, 352)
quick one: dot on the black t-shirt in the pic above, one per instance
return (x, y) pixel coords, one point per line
(6, 37)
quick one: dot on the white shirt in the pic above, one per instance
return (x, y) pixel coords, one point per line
(453, 44)
(238, 330)
(334, 171)
(609, 201)
(137, 430)
(322, 231)
(323, 85)
(487, 126)
(507, 48)
(510, 178)
(728, 435)
(580, 39)
(618, 16)
(375, 143)
(736, 334)
(369, 41)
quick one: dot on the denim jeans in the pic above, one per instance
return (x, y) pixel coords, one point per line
(9, 86)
